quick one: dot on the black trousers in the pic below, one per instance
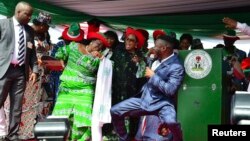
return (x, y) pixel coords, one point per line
(13, 83)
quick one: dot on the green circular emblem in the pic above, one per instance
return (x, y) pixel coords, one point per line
(198, 64)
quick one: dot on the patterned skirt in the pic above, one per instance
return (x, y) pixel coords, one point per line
(77, 102)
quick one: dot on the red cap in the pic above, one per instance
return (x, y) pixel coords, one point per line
(77, 38)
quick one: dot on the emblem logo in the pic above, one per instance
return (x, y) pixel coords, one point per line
(198, 64)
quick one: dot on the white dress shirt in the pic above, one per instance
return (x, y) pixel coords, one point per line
(17, 26)
(157, 63)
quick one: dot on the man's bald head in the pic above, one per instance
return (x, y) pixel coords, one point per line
(22, 5)
(23, 12)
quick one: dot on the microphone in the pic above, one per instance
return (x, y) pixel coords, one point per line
(150, 60)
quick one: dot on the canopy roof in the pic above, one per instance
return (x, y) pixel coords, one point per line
(198, 17)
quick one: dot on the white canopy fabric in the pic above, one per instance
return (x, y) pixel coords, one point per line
(201, 18)
(144, 7)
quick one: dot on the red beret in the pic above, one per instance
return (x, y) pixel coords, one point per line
(138, 35)
(157, 33)
(99, 36)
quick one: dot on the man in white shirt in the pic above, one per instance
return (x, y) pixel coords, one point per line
(17, 57)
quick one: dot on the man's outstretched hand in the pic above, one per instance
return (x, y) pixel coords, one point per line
(229, 23)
